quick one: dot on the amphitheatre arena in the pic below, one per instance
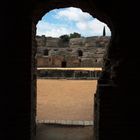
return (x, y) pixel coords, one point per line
(63, 94)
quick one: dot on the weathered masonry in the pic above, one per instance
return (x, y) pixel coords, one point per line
(78, 52)
(117, 98)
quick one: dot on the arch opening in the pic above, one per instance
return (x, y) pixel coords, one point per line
(64, 64)
(80, 53)
(46, 52)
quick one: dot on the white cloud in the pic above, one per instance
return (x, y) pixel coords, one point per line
(73, 14)
(72, 20)
(84, 21)
(93, 26)
(82, 25)
(48, 29)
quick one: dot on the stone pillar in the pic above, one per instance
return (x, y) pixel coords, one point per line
(90, 74)
(33, 81)
(95, 74)
(74, 74)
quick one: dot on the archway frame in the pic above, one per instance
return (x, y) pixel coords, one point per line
(39, 10)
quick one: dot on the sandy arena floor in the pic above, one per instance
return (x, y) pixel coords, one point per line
(65, 99)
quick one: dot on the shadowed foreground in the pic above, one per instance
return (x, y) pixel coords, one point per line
(61, 132)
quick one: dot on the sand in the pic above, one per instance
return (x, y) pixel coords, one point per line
(65, 99)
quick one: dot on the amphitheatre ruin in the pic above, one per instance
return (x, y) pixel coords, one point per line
(77, 52)
(79, 58)
(82, 52)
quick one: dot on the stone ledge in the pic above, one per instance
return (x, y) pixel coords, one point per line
(66, 122)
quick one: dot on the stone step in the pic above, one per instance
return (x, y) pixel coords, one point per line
(66, 122)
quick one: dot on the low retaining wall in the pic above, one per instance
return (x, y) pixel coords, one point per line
(66, 122)
(68, 74)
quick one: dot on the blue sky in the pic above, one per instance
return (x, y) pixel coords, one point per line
(68, 20)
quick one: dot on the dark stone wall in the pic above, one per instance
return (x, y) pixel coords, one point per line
(118, 89)
(15, 78)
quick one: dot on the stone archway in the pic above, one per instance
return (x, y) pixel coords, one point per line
(46, 52)
(87, 6)
(118, 88)
(80, 53)
(63, 64)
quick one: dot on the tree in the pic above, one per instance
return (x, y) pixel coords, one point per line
(65, 38)
(104, 33)
(75, 35)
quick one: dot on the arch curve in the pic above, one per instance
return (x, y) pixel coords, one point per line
(89, 6)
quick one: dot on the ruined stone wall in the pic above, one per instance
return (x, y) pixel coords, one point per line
(78, 52)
